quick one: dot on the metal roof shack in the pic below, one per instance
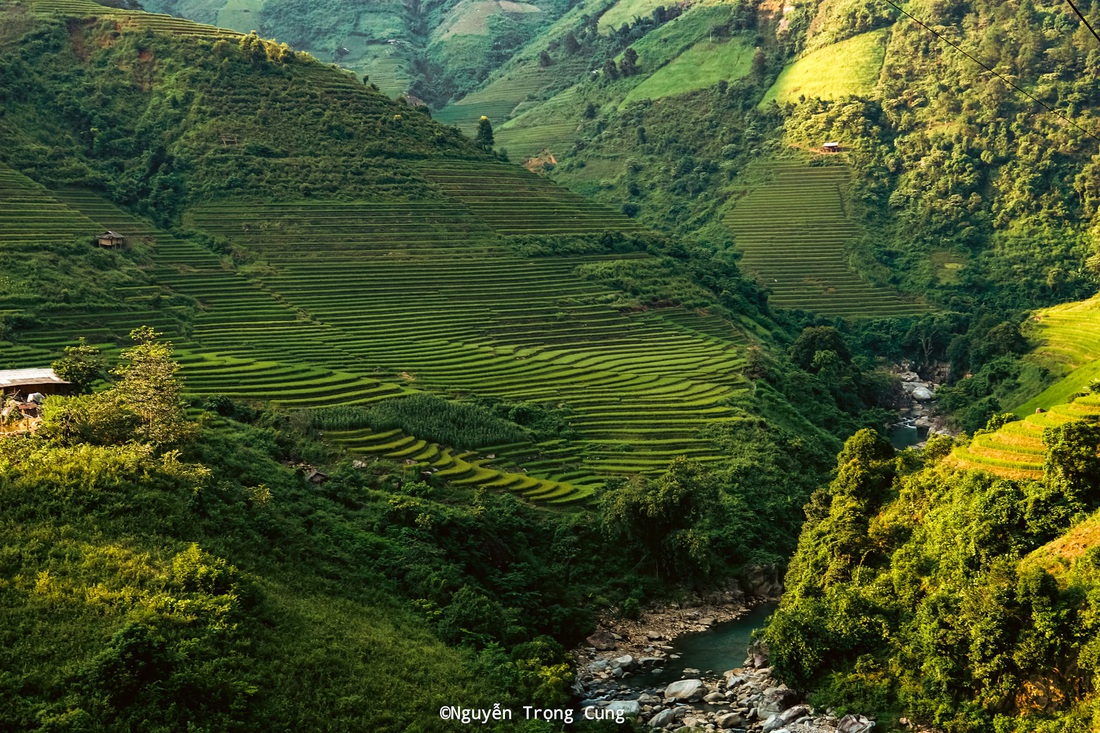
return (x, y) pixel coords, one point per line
(25, 381)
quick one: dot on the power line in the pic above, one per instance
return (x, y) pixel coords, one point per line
(1003, 78)
(1083, 19)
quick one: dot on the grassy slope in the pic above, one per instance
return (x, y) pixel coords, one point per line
(665, 43)
(1068, 339)
(703, 65)
(850, 67)
(84, 558)
(625, 11)
(543, 121)
(1016, 450)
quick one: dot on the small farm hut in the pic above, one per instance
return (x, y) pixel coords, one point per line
(32, 381)
(110, 239)
(831, 147)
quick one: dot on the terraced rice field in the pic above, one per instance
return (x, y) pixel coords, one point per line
(1017, 450)
(513, 201)
(129, 20)
(552, 125)
(33, 220)
(794, 231)
(355, 302)
(478, 320)
(499, 99)
(1069, 346)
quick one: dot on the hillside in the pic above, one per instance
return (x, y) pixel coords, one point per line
(434, 50)
(308, 243)
(1068, 346)
(920, 151)
(953, 598)
(385, 419)
(369, 421)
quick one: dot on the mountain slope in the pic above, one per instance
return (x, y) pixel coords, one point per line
(339, 250)
(953, 598)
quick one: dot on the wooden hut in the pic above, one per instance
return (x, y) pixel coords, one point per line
(110, 239)
(831, 147)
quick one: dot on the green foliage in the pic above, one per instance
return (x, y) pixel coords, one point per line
(459, 424)
(1073, 458)
(98, 419)
(666, 519)
(149, 389)
(183, 601)
(146, 404)
(926, 593)
(83, 365)
(815, 339)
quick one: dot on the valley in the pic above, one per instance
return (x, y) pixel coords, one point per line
(404, 350)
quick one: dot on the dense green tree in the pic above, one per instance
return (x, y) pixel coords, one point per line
(1073, 458)
(484, 133)
(149, 389)
(816, 339)
(664, 518)
(629, 65)
(83, 365)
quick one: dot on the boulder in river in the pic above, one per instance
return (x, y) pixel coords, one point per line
(625, 661)
(777, 699)
(793, 714)
(729, 720)
(922, 394)
(662, 719)
(629, 708)
(685, 691)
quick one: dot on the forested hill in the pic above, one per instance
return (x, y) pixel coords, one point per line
(961, 598)
(405, 442)
(168, 113)
(435, 49)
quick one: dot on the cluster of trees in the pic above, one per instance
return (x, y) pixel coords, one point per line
(146, 402)
(231, 125)
(924, 591)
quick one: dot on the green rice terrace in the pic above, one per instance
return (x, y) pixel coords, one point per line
(1016, 450)
(1069, 346)
(125, 20)
(794, 230)
(353, 303)
(503, 97)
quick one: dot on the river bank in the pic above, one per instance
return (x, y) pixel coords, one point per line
(635, 666)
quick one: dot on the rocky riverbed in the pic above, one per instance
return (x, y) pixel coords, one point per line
(612, 670)
(745, 699)
(916, 400)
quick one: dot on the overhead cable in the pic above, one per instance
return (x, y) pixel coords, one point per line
(1000, 76)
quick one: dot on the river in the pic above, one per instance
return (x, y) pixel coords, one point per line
(723, 646)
